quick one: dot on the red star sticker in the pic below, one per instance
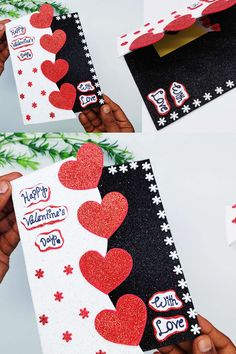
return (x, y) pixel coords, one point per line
(39, 273)
(35, 70)
(43, 319)
(22, 96)
(58, 296)
(28, 117)
(67, 336)
(34, 105)
(101, 352)
(84, 313)
(20, 72)
(43, 93)
(30, 84)
(52, 115)
(68, 270)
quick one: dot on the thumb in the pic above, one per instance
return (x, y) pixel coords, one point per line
(5, 193)
(108, 119)
(2, 27)
(203, 344)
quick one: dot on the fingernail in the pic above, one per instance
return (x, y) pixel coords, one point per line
(3, 187)
(205, 345)
(106, 109)
(1, 27)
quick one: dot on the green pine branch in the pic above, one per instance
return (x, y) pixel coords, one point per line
(57, 146)
(15, 8)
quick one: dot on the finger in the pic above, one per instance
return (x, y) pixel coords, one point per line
(4, 265)
(172, 349)
(186, 346)
(8, 243)
(5, 188)
(5, 193)
(10, 176)
(9, 240)
(93, 118)
(120, 116)
(4, 54)
(108, 119)
(89, 128)
(203, 344)
(2, 27)
(220, 341)
(7, 222)
(3, 45)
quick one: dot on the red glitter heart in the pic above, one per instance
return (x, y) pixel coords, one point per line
(64, 98)
(181, 23)
(44, 18)
(125, 325)
(104, 219)
(106, 273)
(84, 173)
(218, 6)
(55, 71)
(53, 43)
(146, 40)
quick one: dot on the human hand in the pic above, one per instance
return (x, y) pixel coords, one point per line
(210, 342)
(107, 118)
(4, 51)
(9, 236)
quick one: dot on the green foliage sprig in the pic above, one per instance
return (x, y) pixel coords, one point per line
(57, 146)
(15, 8)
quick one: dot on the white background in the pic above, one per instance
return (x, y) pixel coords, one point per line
(196, 174)
(103, 22)
(217, 116)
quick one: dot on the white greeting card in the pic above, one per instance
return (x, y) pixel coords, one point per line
(53, 70)
(53, 242)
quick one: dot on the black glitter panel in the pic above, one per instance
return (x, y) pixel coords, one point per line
(146, 235)
(76, 52)
(206, 67)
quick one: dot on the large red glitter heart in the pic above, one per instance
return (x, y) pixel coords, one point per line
(125, 325)
(84, 173)
(106, 273)
(44, 18)
(146, 40)
(105, 218)
(55, 71)
(180, 23)
(218, 6)
(53, 43)
(64, 98)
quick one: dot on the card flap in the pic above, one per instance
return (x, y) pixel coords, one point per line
(178, 20)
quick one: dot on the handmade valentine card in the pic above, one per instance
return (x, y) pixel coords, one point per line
(103, 270)
(53, 69)
(157, 276)
(185, 60)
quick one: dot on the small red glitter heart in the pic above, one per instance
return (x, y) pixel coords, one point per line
(126, 324)
(146, 40)
(181, 23)
(64, 98)
(106, 273)
(105, 218)
(84, 173)
(218, 6)
(44, 18)
(53, 43)
(55, 71)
